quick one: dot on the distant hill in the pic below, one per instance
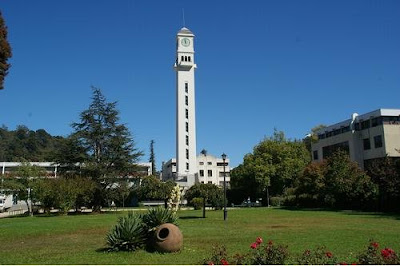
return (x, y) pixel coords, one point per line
(24, 144)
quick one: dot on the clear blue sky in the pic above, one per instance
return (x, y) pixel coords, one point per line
(289, 65)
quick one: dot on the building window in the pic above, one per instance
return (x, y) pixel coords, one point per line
(201, 163)
(364, 124)
(187, 114)
(187, 140)
(209, 182)
(187, 127)
(209, 173)
(201, 172)
(186, 87)
(187, 154)
(378, 141)
(182, 58)
(209, 163)
(367, 144)
(186, 100)
(315, 155)
(187, 166)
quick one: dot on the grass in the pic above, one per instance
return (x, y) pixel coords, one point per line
(79, 239)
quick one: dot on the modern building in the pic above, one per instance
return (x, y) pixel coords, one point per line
(185, 107)
(210, 170)
(365, 137)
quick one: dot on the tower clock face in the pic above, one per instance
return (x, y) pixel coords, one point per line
(185, 42)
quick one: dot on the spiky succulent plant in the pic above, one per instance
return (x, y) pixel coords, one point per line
(128, 234)
(158, 216)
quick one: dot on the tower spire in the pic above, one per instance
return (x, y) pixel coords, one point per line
(183, 17)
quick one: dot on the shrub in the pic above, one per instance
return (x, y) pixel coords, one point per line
(157, 216)
(318, 256)
(268, 254)
(128, 234)
(197, 203)
(373, 256)
(218, 256)
(276, 201)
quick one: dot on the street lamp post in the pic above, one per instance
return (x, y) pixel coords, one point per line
(225, 211)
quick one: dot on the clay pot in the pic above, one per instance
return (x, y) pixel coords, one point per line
(168, 238)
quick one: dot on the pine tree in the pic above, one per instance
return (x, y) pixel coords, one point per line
(152, 158)
(5, 52)
(109, 148)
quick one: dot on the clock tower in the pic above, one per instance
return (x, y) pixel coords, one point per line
(185, 107)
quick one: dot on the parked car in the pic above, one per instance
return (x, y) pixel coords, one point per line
(6, 202)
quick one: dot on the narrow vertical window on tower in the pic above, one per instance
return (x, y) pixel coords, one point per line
(187, 140)
(186, 100)
(187, 154)
(186, 87)
(187, 127)
(187, 166)
(187, 114)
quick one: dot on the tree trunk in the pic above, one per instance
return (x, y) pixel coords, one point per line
(204, 207)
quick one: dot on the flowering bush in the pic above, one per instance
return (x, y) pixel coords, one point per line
(318, 256)
(218, 256)
(373, 256)
(174, 199)
(267, 254)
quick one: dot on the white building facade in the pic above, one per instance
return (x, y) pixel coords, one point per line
(365, 137)
(185, 66)
(210, 170)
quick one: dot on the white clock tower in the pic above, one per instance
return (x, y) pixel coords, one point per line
(185, 107)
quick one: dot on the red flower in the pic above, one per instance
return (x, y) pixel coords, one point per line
(374, 244)
(329, 254)
(254, 245)
(259, 240)
(387, 252)
(270, 243)
(224, 262)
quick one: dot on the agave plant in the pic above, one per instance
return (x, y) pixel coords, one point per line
(128, 234)
(158, 216)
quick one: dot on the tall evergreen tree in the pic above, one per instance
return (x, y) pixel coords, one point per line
(5, 52)
(152, 158)
(109, 148)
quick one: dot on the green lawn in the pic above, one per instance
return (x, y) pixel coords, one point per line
(80, 239)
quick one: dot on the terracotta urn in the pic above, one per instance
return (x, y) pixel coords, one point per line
(168, 238)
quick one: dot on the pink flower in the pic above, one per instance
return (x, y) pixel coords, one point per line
(259, 240)
(210, 263)
(329, 254)
(224, 262)
(254, 245)
(307, 252)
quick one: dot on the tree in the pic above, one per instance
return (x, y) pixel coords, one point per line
(274, 166)
(5, 52)
(152, 158)
(210, 193)
(108, 148)
(336, 182)
(312, 137)
(152, 188)
(385, 172)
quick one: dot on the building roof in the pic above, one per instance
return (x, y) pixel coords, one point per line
(357, 117)
(185, 31)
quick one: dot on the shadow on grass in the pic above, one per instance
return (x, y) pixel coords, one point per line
(191, 217)
(391, 215)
